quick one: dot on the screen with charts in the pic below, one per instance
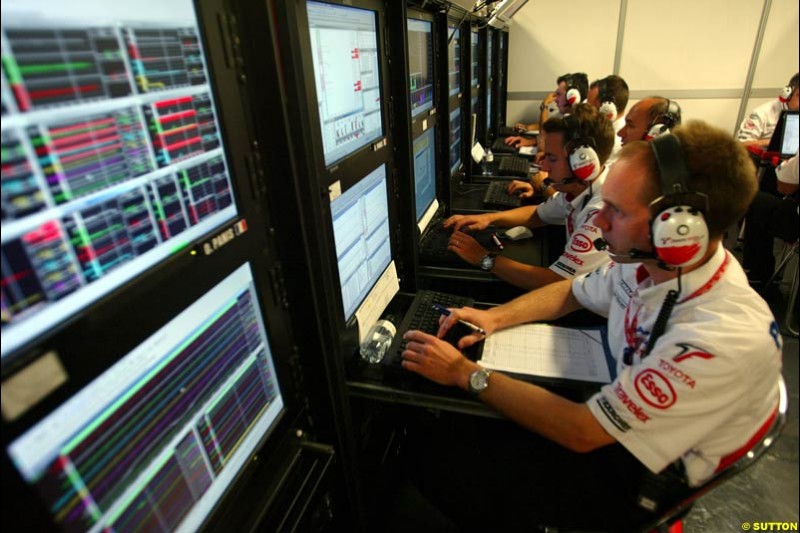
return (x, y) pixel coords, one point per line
(473, 80)
(791, 134)
(420, 65)
(425, 171)
(112, 157)
(361, 232)
(154, 442)
(344, 48)
(454, 61)
(455, 140)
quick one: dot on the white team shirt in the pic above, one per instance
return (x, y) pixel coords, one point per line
(761, 122)
(711, 381)
(580, 254)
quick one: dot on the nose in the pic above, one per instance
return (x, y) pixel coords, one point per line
(601, 219)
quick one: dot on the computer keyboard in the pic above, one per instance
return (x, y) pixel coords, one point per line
(497, 195)
(422, 316)
(513, 166)
(500, 147)
(433, 246)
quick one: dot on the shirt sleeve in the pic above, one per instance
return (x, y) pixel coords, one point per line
(554, 210)
(594, 290)
(787, 171)
(580, 255)
(752, 128)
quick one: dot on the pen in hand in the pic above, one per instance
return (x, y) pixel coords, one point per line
(446, 312)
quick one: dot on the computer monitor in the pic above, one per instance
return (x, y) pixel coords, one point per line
(455, 140)
(473, 80)
(420, 65)
(344, 48)
(791, 134)
(361, 233)
(425, 176)
(454, 61)
(157, 440)
(489, 80)
(112, 158)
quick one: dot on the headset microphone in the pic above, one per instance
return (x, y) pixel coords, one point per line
(632, 256)
(549, 182)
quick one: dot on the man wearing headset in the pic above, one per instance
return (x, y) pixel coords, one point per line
(756, 130)
(610, 96)
(696, 379)
(649, 118)
(568, 139)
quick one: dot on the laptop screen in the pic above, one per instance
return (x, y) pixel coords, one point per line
(789, 136)
(425, 177)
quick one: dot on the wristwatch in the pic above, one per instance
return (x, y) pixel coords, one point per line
(487, 263)
(478, 381)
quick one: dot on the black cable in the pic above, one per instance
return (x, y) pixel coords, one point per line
(663, 316)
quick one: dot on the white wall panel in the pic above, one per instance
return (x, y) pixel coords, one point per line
(548, 40)
(779, 55)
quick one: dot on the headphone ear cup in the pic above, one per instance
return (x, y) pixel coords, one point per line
(785, 95)
(584, 163)
(552, 110)
(680, 236)
(573, 96)
(609, 110)
(656, 130)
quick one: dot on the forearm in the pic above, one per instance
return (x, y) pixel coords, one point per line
(521, 216)
(548, 303)
(524, 276)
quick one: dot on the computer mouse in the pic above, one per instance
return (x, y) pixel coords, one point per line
(518, 233)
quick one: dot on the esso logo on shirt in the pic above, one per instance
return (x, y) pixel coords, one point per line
(655, 389)
(581, 243)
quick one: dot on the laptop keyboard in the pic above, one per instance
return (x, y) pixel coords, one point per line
(500, 147)
(496, 195)
(513, 166)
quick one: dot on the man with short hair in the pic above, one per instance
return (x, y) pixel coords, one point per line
(574, 205)
(647, 114)
(610, 96)
(756, 130)
(696, 382)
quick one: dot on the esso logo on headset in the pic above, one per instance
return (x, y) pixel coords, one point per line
(608, 110)
(785, 95)
(680, 236)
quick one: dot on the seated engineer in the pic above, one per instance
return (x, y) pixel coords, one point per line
(548, 108)
(610, 95)
(770, 217)
(571, 90)
(756, 130)
(649, 118)
(584, 133)
(696, 382)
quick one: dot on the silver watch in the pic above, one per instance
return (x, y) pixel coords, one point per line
(487, 263)
(478, 381)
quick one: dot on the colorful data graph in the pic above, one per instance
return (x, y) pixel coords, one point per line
(47, 67)
(165, 58)
(79, 158)
(36, 269)
(181, 127)
(21, 194)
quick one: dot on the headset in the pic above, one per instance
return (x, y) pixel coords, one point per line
(583, 159)
(574, 95)
(608, 106)
(664, 122)
(785, 94)
(678, 229)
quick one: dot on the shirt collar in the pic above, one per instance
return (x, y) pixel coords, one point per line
(596, 184)
(693, 284)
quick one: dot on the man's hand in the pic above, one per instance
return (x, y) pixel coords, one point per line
(467, 222)
(482, 319)
(521, 188)
(436, 360)
(466, 247)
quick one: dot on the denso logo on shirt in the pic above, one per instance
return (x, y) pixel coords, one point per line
(655, 389)
(581, 243)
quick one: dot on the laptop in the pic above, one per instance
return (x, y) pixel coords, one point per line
(430, 215)
(784, 140)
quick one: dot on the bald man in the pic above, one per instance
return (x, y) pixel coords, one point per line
(647, 115)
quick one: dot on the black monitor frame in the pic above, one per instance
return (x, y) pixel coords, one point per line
(457, 101)
(501, 76)
(476, 92)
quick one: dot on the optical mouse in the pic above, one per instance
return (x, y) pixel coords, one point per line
(518, 233)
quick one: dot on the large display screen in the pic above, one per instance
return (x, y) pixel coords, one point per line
(420, 65)
(454, 61)
(344, 48)
(473, 80)
(154, 442)
(361, 233)
(112, 156)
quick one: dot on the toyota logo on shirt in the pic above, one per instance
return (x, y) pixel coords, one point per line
(655, 389)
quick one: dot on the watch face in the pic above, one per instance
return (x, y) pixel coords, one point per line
(487, 263)
(479, 380)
